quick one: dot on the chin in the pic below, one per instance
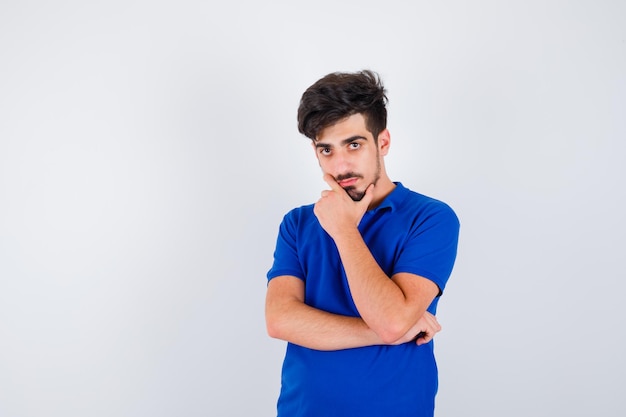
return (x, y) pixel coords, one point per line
(355, 194)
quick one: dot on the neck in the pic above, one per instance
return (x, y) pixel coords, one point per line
(383, 188)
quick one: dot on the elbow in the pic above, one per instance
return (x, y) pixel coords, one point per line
(274, 326)
(393, 331)
(272, 330)
(389, 337)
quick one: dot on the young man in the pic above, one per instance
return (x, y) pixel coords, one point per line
(357, 276)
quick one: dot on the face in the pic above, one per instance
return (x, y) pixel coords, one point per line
(347, 151)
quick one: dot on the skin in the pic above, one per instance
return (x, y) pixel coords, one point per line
(393, 311)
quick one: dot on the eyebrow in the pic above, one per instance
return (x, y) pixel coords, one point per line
(343, 142)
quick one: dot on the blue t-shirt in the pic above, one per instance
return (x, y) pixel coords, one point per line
(407, 232)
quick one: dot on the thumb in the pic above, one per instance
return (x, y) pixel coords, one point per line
(368, 197)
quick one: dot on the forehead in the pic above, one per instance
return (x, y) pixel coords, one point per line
(350, 127)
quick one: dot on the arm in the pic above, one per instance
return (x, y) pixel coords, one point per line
(390, 307)
(289, 318)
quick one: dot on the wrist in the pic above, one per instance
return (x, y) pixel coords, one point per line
(346, 234)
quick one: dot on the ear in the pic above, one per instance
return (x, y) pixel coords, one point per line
(384, 142)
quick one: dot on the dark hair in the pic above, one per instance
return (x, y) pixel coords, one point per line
(340, 95)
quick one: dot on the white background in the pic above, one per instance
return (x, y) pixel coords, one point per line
(148, 151)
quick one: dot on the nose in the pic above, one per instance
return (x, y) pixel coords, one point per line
(341, 162)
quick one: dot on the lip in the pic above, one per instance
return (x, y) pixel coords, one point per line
(348, 182)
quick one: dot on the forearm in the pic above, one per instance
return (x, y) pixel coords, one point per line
(383, 305)
(298, 323)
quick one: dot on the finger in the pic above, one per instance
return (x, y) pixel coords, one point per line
(368, 197)
(419, 336)
(434, 325)
(334, 185)
(427, 337)
(432, 321)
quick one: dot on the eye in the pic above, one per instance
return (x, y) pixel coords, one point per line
(354, 145)
(325, 151)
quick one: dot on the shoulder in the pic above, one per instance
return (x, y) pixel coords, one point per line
(300, 214)
(300, 218)
(423, 206)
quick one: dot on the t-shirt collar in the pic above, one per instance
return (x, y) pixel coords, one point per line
(394, 198)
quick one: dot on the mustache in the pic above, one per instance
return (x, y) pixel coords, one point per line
(345, 176)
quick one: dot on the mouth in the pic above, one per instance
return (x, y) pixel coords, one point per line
(348, 182)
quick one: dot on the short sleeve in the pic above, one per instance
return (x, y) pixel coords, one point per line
(286, 260)
(431, 245)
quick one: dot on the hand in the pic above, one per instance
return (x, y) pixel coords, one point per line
(336, 211)
(423, 331)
